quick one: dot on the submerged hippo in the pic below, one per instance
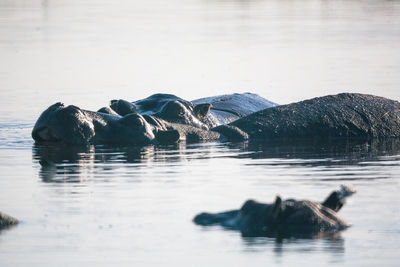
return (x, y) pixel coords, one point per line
(166, 119)
(346, 115)
(72, 125)
(203, 113)
(160, 118)
(283, 217)
(7, 221)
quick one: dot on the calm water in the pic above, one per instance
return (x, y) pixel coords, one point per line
(133, 206)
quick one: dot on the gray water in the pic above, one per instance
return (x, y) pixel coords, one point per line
(101, 206)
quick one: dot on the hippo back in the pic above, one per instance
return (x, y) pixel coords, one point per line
(228, 108)
(204, 113)
(346, 115)
(305, 216)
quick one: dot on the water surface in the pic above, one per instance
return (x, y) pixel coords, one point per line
(101, 206)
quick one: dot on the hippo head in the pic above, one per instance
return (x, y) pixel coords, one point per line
(73, 125)
(63, 124)
(131, 129)
(176, 111)
(283, 218)
(168, 107)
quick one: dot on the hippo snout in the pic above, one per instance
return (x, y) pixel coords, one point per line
(45, 134)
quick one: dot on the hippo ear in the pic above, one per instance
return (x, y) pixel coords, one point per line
(277, 208)
(201, 110)
(334, 202)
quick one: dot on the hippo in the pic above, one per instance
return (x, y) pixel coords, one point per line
(7, 221)
(158, 119)
(346, 116)
(72, 125)
(169, 108)
(283, 218)
(166, 119)
(228, 108)
(204, 113)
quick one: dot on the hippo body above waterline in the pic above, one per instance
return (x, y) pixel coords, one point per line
(228, 108)
(72, 125)
(346, 115)
(167, 119)
(160, 118)
(284, 218)
(204, 113)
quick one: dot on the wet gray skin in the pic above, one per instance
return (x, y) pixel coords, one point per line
(228, 108)
(76, 126)
(163, 106)
(284, 218)
(7, 221)
(166, 119)
(181, 113)
(203, 113)
(73, 125)
(346, 115)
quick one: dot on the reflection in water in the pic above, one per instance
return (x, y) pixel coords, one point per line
(134, 188)
(333, 243)
(71, 163)
(344, 160)
(256, 238)
(356, 150)
(122, 166)
(75, 163)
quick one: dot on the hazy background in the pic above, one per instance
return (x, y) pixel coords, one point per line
(88, 52)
